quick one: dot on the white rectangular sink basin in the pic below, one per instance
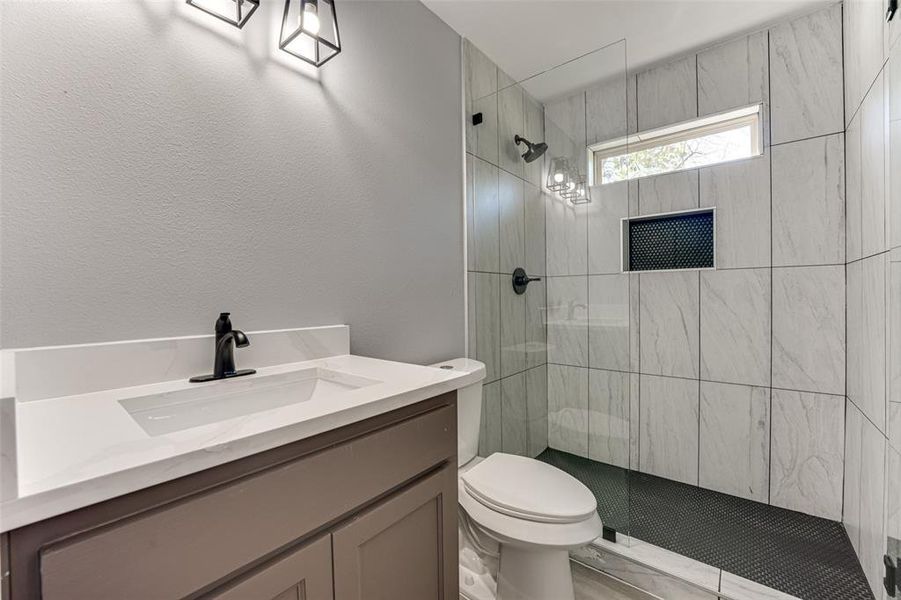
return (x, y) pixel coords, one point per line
(159, 414)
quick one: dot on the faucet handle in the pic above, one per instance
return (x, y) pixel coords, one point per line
(521, 280)
(223, 324)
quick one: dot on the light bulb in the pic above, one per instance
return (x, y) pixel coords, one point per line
(311, 18)
(558, 177)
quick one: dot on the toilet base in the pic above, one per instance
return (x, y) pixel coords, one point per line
(534, 574)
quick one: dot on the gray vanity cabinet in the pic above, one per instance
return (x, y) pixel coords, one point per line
(303, 574)
(400, 548)
(367, 511)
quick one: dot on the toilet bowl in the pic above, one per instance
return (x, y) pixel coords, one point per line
(519, 516)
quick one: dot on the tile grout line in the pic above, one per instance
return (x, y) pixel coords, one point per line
(698, 477)
(806, 139)
(638, 278)
(769, 466)
(500, 168)
(869, 256)
(716, 381)
(653, 272)
(865, 416)
(857, 109)
(525, 312)
(500, 316)
(847, 399)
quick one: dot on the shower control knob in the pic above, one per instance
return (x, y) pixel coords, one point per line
(521, 280)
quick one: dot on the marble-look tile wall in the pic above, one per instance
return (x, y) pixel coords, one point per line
(732, 379)
(872, 486)
(505, 229)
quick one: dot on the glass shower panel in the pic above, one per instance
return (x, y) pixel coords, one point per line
(505, 256)
(589, 304)
(893, 448)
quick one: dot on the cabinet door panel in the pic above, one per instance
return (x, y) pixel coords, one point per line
(405, 547)
(303, 574)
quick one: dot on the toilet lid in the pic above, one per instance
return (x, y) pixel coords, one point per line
(528, 489)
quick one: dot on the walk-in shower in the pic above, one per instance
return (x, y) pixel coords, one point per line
(678, 394)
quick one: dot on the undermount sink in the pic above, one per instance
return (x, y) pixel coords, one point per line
(159, 414)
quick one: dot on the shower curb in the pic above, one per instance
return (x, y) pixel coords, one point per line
(669, 575)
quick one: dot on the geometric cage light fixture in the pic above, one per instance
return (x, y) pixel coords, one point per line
(559, 175)
(310, 30)
(580, 193)
(571, 190)
(565, 179)
(233, 12)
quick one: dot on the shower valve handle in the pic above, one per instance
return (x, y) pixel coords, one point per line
(521, 280)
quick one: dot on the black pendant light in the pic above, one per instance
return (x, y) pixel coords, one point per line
(310, 31)
(233, 12)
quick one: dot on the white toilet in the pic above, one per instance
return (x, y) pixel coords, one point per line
(531, 513)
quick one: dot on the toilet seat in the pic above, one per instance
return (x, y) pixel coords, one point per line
(529, 489)
(528, 515)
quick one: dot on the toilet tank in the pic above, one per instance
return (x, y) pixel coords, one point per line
(469, 408)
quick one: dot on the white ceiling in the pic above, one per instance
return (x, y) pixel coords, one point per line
(526, 37)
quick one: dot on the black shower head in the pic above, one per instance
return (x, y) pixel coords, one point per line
(534, 150)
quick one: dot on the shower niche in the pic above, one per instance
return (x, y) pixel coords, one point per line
(684, 240)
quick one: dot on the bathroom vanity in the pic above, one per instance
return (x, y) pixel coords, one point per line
(353, 497)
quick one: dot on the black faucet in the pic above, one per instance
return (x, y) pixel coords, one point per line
(226, 341)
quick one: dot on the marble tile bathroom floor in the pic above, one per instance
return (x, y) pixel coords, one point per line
(801, 555)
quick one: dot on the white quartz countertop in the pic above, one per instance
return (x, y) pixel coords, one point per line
(76, 450)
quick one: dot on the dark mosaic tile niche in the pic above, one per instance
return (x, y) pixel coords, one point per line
(670, 242)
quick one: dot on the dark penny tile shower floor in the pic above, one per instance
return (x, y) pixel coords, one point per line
(798, 554)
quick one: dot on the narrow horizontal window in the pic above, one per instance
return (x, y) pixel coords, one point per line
(697, 143)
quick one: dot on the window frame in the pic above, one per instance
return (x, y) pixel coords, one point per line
(683, 131)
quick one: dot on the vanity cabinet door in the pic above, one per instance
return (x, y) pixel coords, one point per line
(302, 574)
(405, 547)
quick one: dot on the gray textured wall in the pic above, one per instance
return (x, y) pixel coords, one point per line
(157, 169)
